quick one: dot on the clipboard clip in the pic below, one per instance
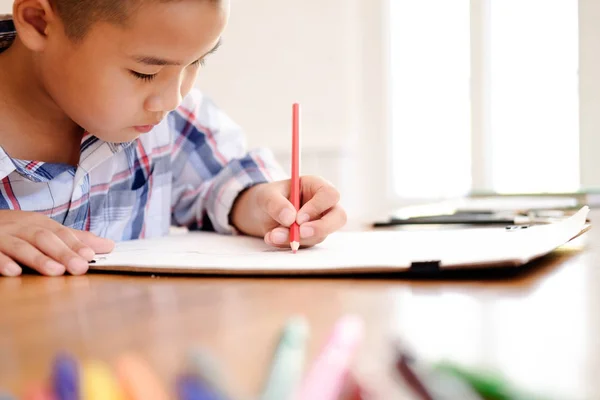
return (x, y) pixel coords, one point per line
(516, 227)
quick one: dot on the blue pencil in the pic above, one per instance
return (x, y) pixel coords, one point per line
(189, 387)
(204, 367)
(65, 378)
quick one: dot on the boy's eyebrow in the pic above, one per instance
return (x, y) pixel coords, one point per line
(148, 60)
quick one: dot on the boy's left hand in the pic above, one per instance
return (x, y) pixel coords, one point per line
(265, 210)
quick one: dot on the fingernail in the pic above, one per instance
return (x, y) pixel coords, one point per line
(268, 238)
(54, 268)
(12, 269)
(77, 266)
(278, 237)
(306, 232)
(87, 253)
(287, 217)
(302, 218)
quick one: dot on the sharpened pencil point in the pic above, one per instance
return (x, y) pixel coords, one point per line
(295, 246)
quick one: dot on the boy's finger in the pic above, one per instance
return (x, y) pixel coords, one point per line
(50, 244)
(8, 267)
(324, 198)
(26, 254)
(67, 236)
(279, 237)
(314, 232)
(96, 243)
(277, 207)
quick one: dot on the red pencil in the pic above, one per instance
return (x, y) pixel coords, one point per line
(295, 188)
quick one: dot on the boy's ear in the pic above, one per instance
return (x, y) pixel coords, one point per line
(33, 21)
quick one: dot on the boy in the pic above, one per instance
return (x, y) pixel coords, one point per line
(103, 139)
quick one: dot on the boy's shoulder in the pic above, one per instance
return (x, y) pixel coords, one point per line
(192, 100)
(200, 110)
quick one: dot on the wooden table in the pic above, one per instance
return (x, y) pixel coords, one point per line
(541, 328)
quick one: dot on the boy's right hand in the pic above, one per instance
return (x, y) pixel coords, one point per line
(38, 242)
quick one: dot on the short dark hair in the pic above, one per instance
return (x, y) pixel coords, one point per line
(78, 16)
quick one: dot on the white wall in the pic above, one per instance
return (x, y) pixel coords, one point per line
(5, 6)
(589, 89)
(276, 52)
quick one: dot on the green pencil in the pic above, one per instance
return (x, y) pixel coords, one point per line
(490, 386)
(288, 361)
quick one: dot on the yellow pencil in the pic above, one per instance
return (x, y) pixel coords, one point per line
(99, 383)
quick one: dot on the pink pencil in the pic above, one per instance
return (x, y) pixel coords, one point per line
(326, 379)
(295, 184)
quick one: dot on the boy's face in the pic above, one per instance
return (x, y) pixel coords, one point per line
(112, 83)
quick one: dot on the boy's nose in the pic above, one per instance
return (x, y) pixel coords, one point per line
(164, 102)
(171, 100)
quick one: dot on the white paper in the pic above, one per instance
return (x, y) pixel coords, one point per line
(372, 251)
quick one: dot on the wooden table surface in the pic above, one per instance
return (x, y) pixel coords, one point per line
(540, 328)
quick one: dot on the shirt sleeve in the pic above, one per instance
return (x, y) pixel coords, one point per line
(211, 165)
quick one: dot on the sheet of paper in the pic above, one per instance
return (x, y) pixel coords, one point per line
(372, 251)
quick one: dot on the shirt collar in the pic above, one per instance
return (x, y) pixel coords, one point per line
(93, 152)
(7, 32)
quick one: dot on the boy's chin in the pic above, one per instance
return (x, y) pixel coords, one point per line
(123, 136)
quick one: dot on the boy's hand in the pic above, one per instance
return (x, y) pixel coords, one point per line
(36, 241)
(265, 210)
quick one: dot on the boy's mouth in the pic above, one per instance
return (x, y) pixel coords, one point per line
(143, 128)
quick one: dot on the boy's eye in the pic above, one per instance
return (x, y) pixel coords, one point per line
(198, 62)
(144, 77)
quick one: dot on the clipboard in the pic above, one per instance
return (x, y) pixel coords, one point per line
(497, 210)
(368, 252)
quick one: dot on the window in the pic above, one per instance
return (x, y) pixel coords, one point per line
(534, 95)
(430, 68)
(521, 56)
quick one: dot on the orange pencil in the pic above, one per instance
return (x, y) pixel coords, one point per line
(295, 188)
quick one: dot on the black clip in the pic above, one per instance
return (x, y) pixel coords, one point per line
(516, 227)
(425, 266)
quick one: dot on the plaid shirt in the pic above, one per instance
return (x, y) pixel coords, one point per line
(187, 171)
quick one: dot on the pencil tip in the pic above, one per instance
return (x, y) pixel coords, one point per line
(295, 246)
